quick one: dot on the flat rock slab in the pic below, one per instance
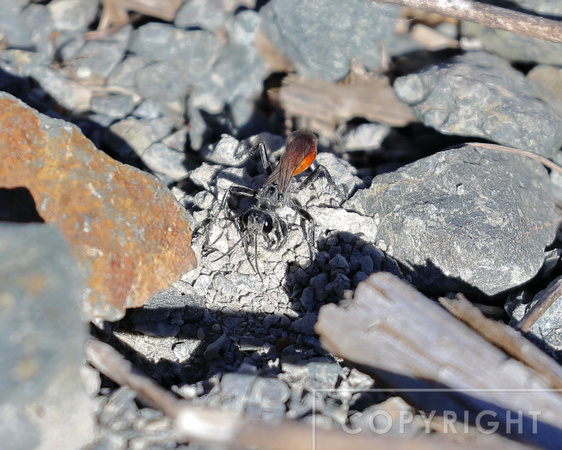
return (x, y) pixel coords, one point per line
(481, 95)
(320, 37)
(468, 219)
(42, 398)
(127, 232)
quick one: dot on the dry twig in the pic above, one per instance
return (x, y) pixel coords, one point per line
(412, 344)
(506, 338)
(330, 103)
(490, 16)
(226, 429)
(545, 299)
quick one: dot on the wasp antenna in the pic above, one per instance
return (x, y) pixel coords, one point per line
(256, 257)
(228, 252)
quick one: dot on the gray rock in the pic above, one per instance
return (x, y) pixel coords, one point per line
(548, 328)
(97, 59)
(42, 398)
(132, 134)
(242, 28)
(23, 62)
(365, 137)
(151, 109)
(194, 52)
(69, 94)
(113, 105)
(124, 74)
(162, 81)
(207, 14)
(307, 298)
(238, 73)
(305, 324)
(556, 180)
(546, 82)
(320, 37)
(544, 7)
(38, 19)
(165, 160)
(463, 219)
(513, 46)
(12, 25)
(235, 389)
(68, 43)
(481, 95)
(268, 396)
(73, 15)
(213, 349)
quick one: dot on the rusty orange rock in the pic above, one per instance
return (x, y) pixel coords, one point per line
(127, 232)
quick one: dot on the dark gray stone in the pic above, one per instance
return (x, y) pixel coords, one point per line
(41, 336)
(546, 82)
(207, 14)
(464, 219)
(513, 46)
(97, 59)
(113, 105)
(162, 81)
(269, 395)
(12, 25)
(194, 52)
(320, 37)
(124, 74)
(305, 324)
(68, 43)
(481, 95)
(213, 349)
(134, 134)
(38, 19)
(548, 328)
(22, 62)
(307, 298)
(69, 94)
(238, 72)
(234, 390)
(162, 159)
(150, 109)
(544, 7)
(73, 15)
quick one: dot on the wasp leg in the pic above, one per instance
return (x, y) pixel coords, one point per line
(305, 217)
(232, 190)
(281, 234)
(260, 146)
(316, 173)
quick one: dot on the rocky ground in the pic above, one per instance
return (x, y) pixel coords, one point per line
(175, 101)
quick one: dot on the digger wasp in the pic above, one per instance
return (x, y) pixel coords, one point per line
(263, 218)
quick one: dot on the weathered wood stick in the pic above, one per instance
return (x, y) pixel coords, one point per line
(490, 16)
(400, 336)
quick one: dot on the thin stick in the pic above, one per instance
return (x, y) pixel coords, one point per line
(506, 338)
(490, 16)
(226, 429)
(545, 161)
(545, 301)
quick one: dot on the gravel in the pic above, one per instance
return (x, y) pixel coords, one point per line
(187, 100)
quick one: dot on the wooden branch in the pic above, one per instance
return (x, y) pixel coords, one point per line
(490, 16)
(411, 343)
(226, 429)
(506, 338)
(332, 103)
